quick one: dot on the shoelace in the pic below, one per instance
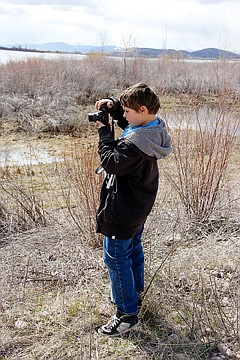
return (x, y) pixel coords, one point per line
(114, 322)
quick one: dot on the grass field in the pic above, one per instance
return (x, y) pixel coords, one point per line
(54, 285)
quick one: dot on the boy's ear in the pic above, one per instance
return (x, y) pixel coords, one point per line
(143, 109)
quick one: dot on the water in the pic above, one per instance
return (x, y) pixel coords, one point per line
(22, 154)
(8, 55)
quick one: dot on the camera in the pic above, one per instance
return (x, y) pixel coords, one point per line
(101, 115)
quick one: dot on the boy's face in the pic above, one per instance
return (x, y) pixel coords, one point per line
(136, 118)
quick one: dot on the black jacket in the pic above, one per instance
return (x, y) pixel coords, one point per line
(131, 182)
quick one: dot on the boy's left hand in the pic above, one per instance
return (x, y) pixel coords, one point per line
(109, 103)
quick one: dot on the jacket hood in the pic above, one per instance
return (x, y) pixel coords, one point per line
(154, 141)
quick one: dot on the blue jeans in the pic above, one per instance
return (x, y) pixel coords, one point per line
(125, 262)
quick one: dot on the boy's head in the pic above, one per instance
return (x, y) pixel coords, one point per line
(140, 95)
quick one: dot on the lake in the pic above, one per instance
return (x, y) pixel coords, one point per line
(8, 55)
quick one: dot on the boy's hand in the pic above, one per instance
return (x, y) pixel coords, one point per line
(99, 103)
(99, 124)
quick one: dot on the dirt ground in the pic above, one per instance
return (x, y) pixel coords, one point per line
(51, 283)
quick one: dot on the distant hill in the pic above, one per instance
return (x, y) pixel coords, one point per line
(209, 53)
(213, 53)
(63, 47)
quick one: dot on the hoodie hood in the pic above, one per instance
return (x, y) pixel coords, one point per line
(154, 140)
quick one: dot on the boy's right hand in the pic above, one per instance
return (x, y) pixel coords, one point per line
(99, 124)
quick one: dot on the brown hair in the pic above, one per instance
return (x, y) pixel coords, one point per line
(140, 95)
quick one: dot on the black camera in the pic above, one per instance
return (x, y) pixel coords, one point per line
(101, 115)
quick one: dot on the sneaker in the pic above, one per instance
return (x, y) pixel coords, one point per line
(119, 325)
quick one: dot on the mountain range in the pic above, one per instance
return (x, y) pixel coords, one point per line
(209, 53)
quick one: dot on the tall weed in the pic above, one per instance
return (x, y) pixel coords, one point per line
(80, 189)
(40, 90)
(203, 141)
(20, 208)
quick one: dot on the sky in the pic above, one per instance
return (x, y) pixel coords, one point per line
(171, 24)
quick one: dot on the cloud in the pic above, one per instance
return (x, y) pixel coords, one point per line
(24, 24)
(3, 11)
(209, 2)
(13, 11)
(52, 2)
(185, 24)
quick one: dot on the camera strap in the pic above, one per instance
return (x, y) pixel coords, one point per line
(113, 130)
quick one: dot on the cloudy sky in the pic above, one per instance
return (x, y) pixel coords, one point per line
(179, 24)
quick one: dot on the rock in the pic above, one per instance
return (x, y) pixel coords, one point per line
(20, 324)
(174, 338)
(217, 273)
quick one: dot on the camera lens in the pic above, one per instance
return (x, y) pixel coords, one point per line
(92, 117)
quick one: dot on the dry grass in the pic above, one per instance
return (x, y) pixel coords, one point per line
(44, 95)
(55, 293)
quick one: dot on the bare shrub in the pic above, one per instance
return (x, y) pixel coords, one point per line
(96, 75)
(22, 209)
(54, 121)
(39, 87)
(3, 218)
(80, 189)
(176, 76)
(203, 142)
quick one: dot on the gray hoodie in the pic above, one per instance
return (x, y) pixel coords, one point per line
(152, 140)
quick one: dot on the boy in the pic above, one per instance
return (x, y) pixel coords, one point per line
(128, 194)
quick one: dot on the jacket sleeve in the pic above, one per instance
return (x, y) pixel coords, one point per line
(117, 113)
(116, 157)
